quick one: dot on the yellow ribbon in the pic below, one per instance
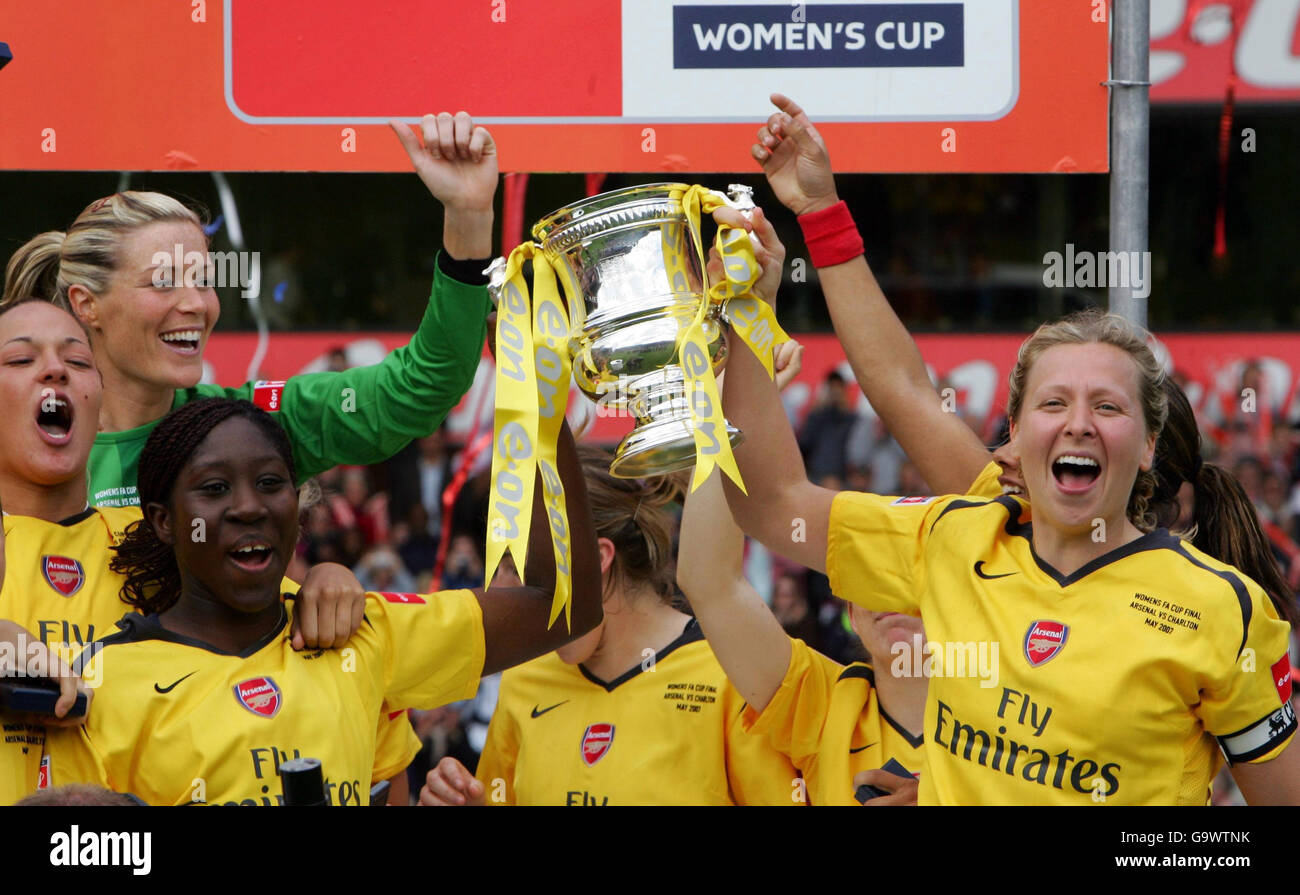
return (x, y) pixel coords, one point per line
(758, 329)
(532, 393)
(551, 341)
(514, 433)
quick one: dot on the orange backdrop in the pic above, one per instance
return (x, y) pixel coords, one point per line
(110, 85)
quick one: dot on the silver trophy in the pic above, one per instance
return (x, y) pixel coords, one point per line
(630, 255)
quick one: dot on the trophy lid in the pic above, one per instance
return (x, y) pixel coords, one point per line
(629, 206)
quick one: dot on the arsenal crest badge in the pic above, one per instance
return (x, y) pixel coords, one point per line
(259, 695)
(1043, 640)
(63, 574)
(596, 741)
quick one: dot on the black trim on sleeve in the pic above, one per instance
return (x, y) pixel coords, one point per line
(690, 634)
(858, 669)
(1014, 511)
(1238, 587)
(468, 270)
(958, 505)
(867, 673)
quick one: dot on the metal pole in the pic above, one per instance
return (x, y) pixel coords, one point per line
(1130, 151)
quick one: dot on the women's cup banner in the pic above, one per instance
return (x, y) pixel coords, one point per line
(565, 85)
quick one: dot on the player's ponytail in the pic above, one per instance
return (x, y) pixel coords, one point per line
(89, 253)
(1223, 522)
(153, 579)
(1227, 528)
(629, 512)
(33, 270)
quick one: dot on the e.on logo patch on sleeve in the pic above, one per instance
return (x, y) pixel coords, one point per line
(1282, 677)
(911, 501)
(401, 598)
(268, 395)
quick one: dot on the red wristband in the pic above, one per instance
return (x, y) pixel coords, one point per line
(831, 235)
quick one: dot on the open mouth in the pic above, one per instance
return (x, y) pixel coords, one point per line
(54, 418)
(1075, 473)
(252, 556)
(183, 341)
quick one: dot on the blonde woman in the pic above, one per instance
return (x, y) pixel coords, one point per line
(149, 324)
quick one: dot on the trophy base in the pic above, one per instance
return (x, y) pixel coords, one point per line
(660, 447)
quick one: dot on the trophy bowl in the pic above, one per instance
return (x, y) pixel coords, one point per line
(630, 256)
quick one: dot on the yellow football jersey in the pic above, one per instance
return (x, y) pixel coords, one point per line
(827, 718)
(1106, 682)
(57, 585)
(663, 734)
(396, 744)
(176, 722)
(986, 483)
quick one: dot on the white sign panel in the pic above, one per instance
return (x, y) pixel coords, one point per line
(926, 60)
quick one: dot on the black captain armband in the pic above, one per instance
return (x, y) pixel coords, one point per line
(1261, 737)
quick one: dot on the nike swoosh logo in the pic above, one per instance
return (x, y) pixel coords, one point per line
(860, 748)
(537, 713)
(979, 570)
(173, 686)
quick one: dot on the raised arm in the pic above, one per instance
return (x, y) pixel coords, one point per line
(782, 509)
(458, 163)
(749, 642)
(884, 358)
(367, 414)
(515, 618)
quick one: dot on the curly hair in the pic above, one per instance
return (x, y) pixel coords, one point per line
(153, 579)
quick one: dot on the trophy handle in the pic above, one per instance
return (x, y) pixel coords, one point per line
(496, 274)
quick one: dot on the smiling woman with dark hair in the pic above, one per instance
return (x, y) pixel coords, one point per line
(204, 566)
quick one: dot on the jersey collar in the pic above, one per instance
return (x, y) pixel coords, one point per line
(867, 673)
(1159, 539)
(78, 517)
(691, 633)
(136, 628)
(69, 521)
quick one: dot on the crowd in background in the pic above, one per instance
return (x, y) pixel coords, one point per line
(389, 524)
